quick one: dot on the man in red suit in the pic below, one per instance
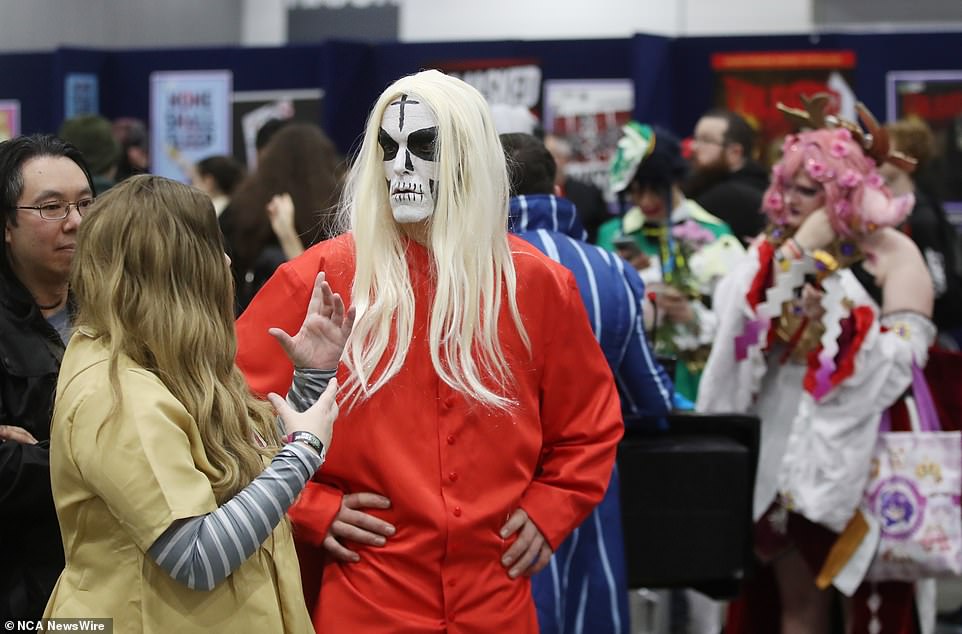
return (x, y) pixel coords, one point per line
(479, 417)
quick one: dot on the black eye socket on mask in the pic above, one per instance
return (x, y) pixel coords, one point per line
(423, 143)
(388, 145)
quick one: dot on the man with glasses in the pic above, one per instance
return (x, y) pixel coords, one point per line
(45, 188)
(725, 180)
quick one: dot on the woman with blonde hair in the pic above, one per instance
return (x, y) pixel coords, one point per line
(170, 520)
(482, 418)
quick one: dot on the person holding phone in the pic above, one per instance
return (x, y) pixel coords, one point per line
(679, 248)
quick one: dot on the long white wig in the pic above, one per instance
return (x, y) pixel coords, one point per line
(468, 247)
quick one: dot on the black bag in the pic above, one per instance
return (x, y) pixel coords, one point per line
(686, 502)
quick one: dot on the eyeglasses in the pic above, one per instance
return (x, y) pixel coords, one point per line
(703, 141)
(59, 209)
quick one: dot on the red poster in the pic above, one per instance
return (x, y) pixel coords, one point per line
(753, 83)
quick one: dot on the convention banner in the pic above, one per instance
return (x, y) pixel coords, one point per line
(253, 109)
(9, 119)
(81, 95)
(190, 119)
(588, 114)
(506, 81)
(936, 98)
(752, 84)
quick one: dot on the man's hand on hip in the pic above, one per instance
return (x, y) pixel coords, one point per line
(353, 525)
(530, 552)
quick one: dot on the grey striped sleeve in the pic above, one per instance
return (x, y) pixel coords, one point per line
(202, 551)
(307, 387)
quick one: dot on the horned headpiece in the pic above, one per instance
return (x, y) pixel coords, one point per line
(874, 139)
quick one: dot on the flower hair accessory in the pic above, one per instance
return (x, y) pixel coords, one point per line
(635, 145)
(842, 159)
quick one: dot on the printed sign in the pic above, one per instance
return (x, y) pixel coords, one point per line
(81, 95)
(588, 114)
(936, 98)
(190, 119)
(9, 119)
(753, 83)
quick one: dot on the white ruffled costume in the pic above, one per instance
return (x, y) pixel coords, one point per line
(814, 452)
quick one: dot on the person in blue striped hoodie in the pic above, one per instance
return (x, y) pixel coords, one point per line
(584, 589)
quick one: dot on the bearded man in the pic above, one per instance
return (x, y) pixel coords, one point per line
(725, 180)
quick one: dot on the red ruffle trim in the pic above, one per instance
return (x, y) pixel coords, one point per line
(854, 330)
(763, 278)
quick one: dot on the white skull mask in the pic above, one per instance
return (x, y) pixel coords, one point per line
(408, 137)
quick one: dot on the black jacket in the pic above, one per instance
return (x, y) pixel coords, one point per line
(737, 199)
(31, 556)
(590, 205)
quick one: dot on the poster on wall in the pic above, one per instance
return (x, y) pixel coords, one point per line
(936, 98)
(255, 108)
(588, 114)
(9, 119)
(512, 86)
(190, 119)
(753, 83)
(81, 95)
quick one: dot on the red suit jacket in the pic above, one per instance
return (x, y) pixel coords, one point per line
(452, 470)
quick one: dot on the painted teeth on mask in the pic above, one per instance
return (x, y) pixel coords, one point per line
(408, 189)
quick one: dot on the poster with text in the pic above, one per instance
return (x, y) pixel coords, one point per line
(190, 119)
(936, 98)
(9, 119)
(588, 114)
(502, 81)
(753, 83)
(81, 95)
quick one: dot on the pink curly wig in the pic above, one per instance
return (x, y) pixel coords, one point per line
(856, 198)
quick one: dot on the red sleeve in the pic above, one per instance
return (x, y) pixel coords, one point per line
(581, 424)
(314, 511)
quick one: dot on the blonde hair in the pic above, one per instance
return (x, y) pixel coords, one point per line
(468, 246)
(914, 137)
(150, 278)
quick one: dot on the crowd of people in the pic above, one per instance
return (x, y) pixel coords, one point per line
(386, 394)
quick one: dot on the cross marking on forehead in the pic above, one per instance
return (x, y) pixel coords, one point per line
(403, 101)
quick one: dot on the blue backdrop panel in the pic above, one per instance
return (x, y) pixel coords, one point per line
(28, 77)
(674, 81)
(878, 54)
(652, 74)
(568, 59)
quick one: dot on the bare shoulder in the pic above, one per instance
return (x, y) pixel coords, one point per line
(889, 249)
(901, 273)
